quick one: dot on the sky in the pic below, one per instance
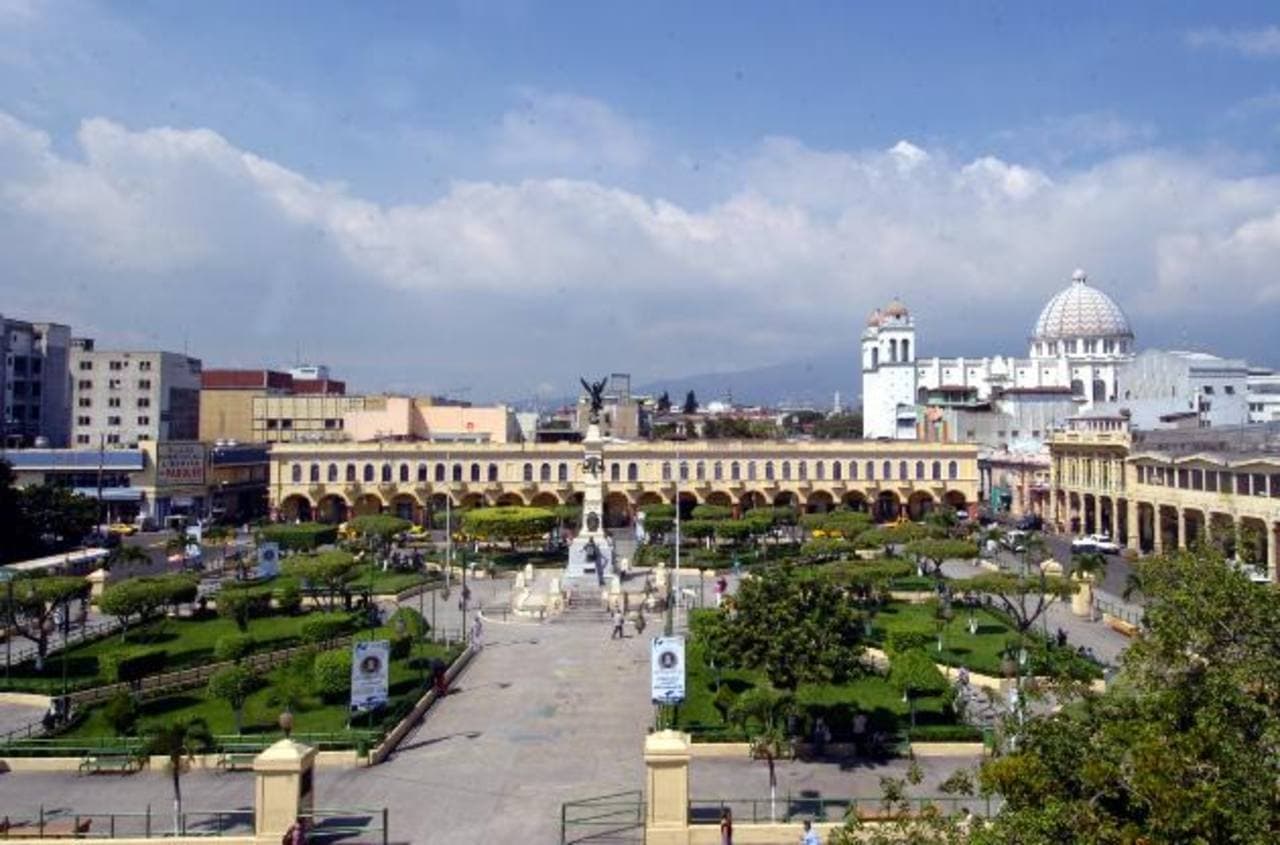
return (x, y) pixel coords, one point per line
(489, 199)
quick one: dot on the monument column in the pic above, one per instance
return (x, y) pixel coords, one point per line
(591, 552)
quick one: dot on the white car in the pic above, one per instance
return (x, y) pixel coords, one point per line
(1095, 543)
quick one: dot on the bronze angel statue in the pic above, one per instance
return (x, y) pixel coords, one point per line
(596, 391)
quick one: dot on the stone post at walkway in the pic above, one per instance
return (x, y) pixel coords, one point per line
(284, 788)
(1082, 599)
(666, 760)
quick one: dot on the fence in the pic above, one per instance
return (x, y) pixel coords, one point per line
(1123, 612)
(868, 808)
(79, 634)
(145, 825)
(605, 817)
(40, 747)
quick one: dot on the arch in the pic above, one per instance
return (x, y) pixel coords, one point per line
(919, 505)
(820, 501)
(331, 509)
(854, 500)
(471, 501)
(544, 500)
(367, 504)
(314, 474)
(906, 349)
(893, 350)
(405, 506)
(1077, 387)
(751, 499)
(888, 506)
(786, 499)
(955, 500)
(617, 510)
(296, 507)
(686, 501)
(649, 498)
(295, 473)
(439, 502)
(386, 473)
(333, 473)
(720, 499)
(368, 474)
(510, 500)
(475, 473)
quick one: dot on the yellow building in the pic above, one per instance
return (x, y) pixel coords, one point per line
(1161, 490)
(329, 481)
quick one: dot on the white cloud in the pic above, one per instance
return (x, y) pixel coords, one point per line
(179, 231)
(566, 132)
(1263, 42)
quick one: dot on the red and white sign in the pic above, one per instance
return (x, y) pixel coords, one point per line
(180, 465)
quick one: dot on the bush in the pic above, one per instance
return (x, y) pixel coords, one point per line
(414, 625)
(121, 713)
(712, 512)
(380, 526)
(232, 647)
(331, 674)
(289, 599)
(242, 604)
(944, 733)
(827, 547)
(511, 524)
(144, 597)
(907, 639)
(130, 667)
(698, 528)
(306, 536)
(401, 647)
(325, 627)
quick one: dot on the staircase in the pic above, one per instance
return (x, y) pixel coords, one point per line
(582, 607)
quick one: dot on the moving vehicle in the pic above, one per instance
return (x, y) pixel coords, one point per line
(123, 529)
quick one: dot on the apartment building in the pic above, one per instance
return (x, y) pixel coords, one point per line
(35, 393)
(123, 398)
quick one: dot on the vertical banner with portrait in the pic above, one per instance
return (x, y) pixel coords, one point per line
(370, 661)
(268, 560)
(667, 665)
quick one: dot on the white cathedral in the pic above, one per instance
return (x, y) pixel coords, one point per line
(1080, 342)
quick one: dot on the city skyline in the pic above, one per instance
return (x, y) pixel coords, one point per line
(427, 202)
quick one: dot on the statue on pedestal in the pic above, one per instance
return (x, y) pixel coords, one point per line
(595, 390)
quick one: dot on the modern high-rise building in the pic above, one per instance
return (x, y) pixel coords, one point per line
(35, 395)
(121, 399)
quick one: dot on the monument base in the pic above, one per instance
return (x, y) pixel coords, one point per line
(579, 564)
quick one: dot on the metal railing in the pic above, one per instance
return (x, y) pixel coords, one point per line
(63, 824)
(1125, 613)
(868, 808)
(601, 817)
(327, 824)
(109, 745)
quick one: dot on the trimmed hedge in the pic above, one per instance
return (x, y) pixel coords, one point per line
(130, 667)
(304, 536)
(331, 674)
(325, 627)
(233, 647)
(944, 733)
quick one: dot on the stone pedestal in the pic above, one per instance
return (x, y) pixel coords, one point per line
(666, 760)
(592, 541)
(1082, 599)
(284, 788)
(97, 582)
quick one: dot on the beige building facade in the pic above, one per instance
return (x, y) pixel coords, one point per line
(1159, 491)
(329, 482)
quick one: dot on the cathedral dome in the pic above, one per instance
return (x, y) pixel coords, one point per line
(875, 318)
(896, 309)
(1081, 310)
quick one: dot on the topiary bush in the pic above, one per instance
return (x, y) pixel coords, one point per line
(232, 647)
(321, 628)
(121, 713)
(130, 667)
(907, 639)
(306, 536)
(289, 599)
(242, 604)
(414, 625)
(331, 674)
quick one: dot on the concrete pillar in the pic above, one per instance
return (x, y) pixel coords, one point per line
(1157, 531)
(1082, 599)
(1273, 553)
(1182, 527)
(284, 788)
(1097, 515)
(666, 761)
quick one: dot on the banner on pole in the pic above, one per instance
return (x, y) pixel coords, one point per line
(268, 560)
(370, 660)
(667, 665)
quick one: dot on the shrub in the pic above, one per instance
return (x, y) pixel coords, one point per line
(907, 639)
(130, 667)
(232, 647)
(233, 685)
(289, 599)
(306, 536)
(380, 526)
(242, 604)
(712, 512)
(826, 547)
(325, 627)
(121, 713)
(331, 674)
(144, 597)
(511, 524)
(414, 625)
(698, 528)
(401, 646)
(944, 733)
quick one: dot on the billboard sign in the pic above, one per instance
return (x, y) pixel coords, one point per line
(666, 658)
(268, 560)
(180, 465)
(370, 661)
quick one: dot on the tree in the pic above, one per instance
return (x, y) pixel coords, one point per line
(762, 714)
(331, 572)
(1183, 749)
(1025, 596)
(690, 403)
(378, 530)
(179, 741)
(795, 629)
(40, 519)
(839, 427)
(509, 524)
(931, 553)
(36, 600)
(234, 685)
(144, 598)
(125, 555)
(915, 675)
(664, 403)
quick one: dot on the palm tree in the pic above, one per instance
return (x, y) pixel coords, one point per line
(769, 710)
(179, 741)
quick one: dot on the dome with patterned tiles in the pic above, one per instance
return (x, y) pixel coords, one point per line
(1081, 310)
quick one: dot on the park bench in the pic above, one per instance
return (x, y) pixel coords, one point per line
(73, 827)
(233, 757)
(109, 761)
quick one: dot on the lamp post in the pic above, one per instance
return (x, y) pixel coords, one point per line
(7, 576)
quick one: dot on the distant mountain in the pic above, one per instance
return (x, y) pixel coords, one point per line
(807, 382)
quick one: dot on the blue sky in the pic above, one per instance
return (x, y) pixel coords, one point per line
(468, 193)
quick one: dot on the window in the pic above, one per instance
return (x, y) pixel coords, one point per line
(886, 470)
(85, 366)
(351, 473)
(457, 472)
(84, 402)
(735, 472)
(1184, 479)
(422, 473)
(666, 471)
(144, 402)
(82, 439)
(1210, 480)
(1230, 390)
(562, 472)
(113, 438)
(315, 473)
(684, 470)
(334, 423)
(368, 473)
(786, 470)
(286, 424)
(871, 471)
(404, 473)
(113, 402)
(802, 470)
(953, 470)
(768, 470)
(544, 472)
(144, 420)
(117, 365)
(528, 473)
(935, 471)
(836, 467)
(144, 384)
(475, 473)
(700, 471)
(902, 470)
(295, 473)
(1259, 484)
(440, 472)
(1275, 485)
(332, 473)
(819, 471)
(113, 421)
(1242, 484)
(493, 473)
(919, 470)
(717, 471)
(84, 384)
(84, 421)
(144, 366)
(113, 384)
(751, 470)
(385, 475)
(1208, 390)
(615, 471)
(633, 472)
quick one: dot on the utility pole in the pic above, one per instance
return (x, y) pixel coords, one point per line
(102, 458)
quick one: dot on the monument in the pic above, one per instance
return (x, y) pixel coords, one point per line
(591, 553)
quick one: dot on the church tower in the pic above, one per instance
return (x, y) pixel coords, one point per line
(889, 374)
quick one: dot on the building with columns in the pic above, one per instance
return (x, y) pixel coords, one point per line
(412, 479)
(1155, 491)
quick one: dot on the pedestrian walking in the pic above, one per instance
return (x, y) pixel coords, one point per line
(618, 622)
(810, 836)
(726, 826)
(639, 622)
(722, 587)
(477, 634)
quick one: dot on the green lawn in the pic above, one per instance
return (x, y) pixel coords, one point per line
(837, 704)
(389, 582)
(188, 642)
(263, 707)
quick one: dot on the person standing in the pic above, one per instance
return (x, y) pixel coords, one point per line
(726, 826)
(722, 587)
(618, 621)
(810, 836)
(477, 633)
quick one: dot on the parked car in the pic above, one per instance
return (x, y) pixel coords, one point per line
(1029, 522)
(123, 529)
(1095, 543)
